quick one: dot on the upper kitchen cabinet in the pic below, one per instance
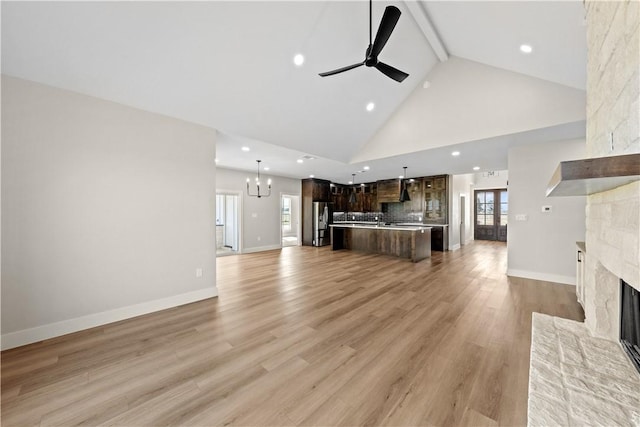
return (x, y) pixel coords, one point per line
(340, 197)
(436, 199)
(415, 189)
(317, 190)
(388, 191)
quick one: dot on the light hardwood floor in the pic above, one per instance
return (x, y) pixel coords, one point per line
(304, 336)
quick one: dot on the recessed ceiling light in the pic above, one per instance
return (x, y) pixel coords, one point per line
(455, 153)
(362, 185)
(476, 168)
(371, 106)
(300, 161)
(426, 84)
(526, 48)
(350, 182)
(267, 168)
(216, 160)
(298, 59)
(366, 168)
(412, 180)
(312, 176)
(401, 176)
(246, 149)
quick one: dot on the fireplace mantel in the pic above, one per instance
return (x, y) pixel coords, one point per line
(590, 176)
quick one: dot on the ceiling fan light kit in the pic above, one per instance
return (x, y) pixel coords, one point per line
(387, 24)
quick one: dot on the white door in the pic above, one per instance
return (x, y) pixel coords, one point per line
(231, 222)
(463, 220)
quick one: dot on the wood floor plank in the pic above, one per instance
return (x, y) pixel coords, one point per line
(304, 336)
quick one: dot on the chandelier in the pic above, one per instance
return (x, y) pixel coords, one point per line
(257, 193)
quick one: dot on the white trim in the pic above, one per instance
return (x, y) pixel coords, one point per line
(51, 330)
(240, 218)
(556, 278)
(455, 247)
(261, 249)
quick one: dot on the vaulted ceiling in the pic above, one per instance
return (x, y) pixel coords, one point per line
(229, 65)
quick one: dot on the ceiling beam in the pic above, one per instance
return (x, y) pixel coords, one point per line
(427, 28)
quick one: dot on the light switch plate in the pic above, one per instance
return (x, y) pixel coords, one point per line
(547, 209)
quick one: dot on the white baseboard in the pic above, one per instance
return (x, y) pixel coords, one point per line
(556, 278)
(455, 247)
(51, 330)
(261, 249)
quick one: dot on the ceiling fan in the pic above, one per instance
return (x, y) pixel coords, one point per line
(387, 24)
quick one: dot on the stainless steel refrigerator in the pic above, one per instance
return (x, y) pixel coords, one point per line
(322, 217)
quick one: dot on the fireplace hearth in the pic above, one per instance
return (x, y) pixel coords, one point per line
(630, 322)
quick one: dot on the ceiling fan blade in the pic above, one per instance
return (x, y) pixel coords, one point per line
(387, 24)
(389, 71)
(341, 70)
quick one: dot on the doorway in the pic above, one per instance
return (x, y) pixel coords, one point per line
(490, 214)
(227, 223)
(463, 220)
(290, 219)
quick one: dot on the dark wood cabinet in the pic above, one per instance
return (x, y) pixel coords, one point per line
(388, 191)
(439, 238)
(436, 199)
(365, 197)
(339, 197)
(313, 190)
(416, 194)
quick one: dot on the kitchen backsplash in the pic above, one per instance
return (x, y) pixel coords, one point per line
(394, 212)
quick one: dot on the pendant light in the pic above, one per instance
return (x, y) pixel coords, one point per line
(404, 194)
(257, 194)
(352, 196)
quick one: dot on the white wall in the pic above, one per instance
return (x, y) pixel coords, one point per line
(107, 211)
(260, 217)
(543, 246)
(461, 185)
(469, 101)
(491, 180)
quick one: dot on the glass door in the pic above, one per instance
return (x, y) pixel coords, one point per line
(491, 212)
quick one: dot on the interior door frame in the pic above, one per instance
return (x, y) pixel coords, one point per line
(298, 216)
(496, 214)
(463, 219)
(239, 215)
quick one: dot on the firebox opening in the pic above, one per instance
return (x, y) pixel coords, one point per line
(630, 322)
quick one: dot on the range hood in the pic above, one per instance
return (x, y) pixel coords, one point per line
(589, 176)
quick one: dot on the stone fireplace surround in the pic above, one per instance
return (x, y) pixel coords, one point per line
(579, 374)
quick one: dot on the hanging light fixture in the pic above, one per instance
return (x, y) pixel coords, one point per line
(404, 194)
(257, 194)
(352, 196)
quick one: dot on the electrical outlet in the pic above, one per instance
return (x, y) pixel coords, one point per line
(198, 272)
(521, 217)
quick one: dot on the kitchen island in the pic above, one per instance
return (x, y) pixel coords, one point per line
(413, 243)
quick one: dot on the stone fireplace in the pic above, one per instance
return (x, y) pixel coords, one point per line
(613, 244)
(579, 373)
(613, 128)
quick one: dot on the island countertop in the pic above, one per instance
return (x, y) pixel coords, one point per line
(411, 242)
(382, 227)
